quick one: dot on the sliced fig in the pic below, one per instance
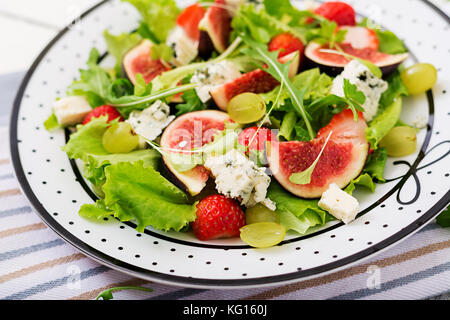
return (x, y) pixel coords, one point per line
(217, 24)
(138, 60)
(342, 160)
(256, 81)
(189, 131)
(359, 42)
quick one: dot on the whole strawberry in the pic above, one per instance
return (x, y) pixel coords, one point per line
(218, 217)
(106, 110)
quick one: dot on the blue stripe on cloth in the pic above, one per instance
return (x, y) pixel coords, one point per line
(179, 294)
(13, 212)
(37, 247)
(6, 176)
(56, 283)
(362, 293)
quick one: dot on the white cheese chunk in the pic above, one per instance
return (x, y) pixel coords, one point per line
(366, 82)
(339, 203)
(213, 76)
(149, 123)
(239, 178)
(184, 48)
(420, 122)
(71, 110)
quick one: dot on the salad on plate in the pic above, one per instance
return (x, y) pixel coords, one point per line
(235, 118)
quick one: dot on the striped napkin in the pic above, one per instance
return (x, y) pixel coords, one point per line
(36, 264)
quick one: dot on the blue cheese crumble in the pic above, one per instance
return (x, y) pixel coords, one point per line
(149, 123)
(366, 82)
(184, 48)
(239, 178)
(213, 76)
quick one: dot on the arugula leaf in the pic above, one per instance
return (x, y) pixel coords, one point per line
(119, 45)
(191, 103)
(354, 98)
(51, 123)
(296, 213)
(304, 177)
(444, 218)
(159, 15)
(261, 26)
(108, 294)
(141, 88)
(327, 34)
(280, 72)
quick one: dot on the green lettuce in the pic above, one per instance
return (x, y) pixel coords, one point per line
(296, 213)
(383, 123)
(139, 193)
(158, 15)
(86, 144)
(395, 89)
(444, 218)
(389, 42)
(119, 45)
(51, 123)
(372, 173)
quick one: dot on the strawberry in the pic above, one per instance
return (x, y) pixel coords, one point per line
(218, 217)
(286, 43)
(360, 38)
(257, 142)
(189, 20)
(339, 12)
(106, 110)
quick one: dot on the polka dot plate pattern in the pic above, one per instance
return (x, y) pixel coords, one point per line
(417, 187)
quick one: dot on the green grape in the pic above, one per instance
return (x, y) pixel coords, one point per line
(246, 108)
(400, 141)
(419, 78)
(260, 213)
(263, 234)
(120, 138)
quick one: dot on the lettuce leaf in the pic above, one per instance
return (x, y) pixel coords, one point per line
(296, 213)
(372, 173)
(395, 89)
(119, 45)
(383, 123)
(135, 192)
(51, 123)
(389, 42)
(158, 15)
(139, 193)
(364, 180)
(86, 144)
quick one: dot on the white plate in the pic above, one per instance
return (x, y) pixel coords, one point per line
(418, 187)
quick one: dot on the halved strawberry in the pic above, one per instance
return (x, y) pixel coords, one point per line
(106, 110)
(286, 43)
(218, 217)
(189, 20)
(339, 12)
